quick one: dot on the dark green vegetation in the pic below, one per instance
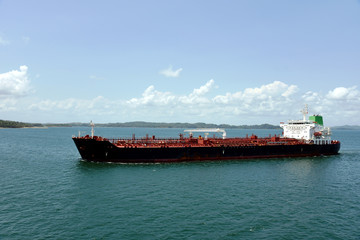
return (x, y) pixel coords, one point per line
(13, 124)
(185, 125)
(347, 127)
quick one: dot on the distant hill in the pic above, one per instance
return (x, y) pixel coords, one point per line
(167, 125)
(13, 124)
(77, 124)
(346, 127)
(139, 124)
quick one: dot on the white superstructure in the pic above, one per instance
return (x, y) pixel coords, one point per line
(311, 130)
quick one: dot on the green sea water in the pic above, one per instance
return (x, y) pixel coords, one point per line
(47, 192)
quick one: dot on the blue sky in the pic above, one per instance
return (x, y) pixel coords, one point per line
(236, 62)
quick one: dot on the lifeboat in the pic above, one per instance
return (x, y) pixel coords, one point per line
(317, 134)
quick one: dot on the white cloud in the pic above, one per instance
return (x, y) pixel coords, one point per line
(311, 97)
(268, 98)
(14, 83)
(276, 101)
(3, 41)
(290, 91)
(342, 93)
(70, 104)
(341, 105)
(169, 72)
(204, 89)
(271, 99)
(269, 103)
(8, 104)
(151, 97)
(197, 95)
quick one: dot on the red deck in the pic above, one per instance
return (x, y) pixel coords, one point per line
(200, 142)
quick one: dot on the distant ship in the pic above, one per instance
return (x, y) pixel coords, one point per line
(300, 138)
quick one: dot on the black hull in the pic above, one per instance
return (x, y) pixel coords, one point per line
(104, 151)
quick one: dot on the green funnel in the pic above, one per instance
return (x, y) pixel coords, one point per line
(317, 118)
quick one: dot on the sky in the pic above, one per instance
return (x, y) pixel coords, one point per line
(233, 62)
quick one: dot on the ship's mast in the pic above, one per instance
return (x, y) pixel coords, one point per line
(92, 129)
(305, 112)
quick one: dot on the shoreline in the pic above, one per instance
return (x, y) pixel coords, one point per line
(45, 127)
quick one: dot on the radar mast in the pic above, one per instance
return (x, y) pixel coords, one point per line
(304, 111)
(92, 128)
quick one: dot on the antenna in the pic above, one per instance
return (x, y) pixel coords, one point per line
(305, 112)
(92, 128)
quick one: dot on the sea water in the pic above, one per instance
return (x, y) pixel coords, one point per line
(47, 192)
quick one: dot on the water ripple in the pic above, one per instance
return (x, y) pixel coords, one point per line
(46, 192)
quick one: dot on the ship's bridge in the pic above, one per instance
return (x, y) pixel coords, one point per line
(309, 130)
(298, 129)
(299, 122)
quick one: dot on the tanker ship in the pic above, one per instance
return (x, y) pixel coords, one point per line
(300, 138)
